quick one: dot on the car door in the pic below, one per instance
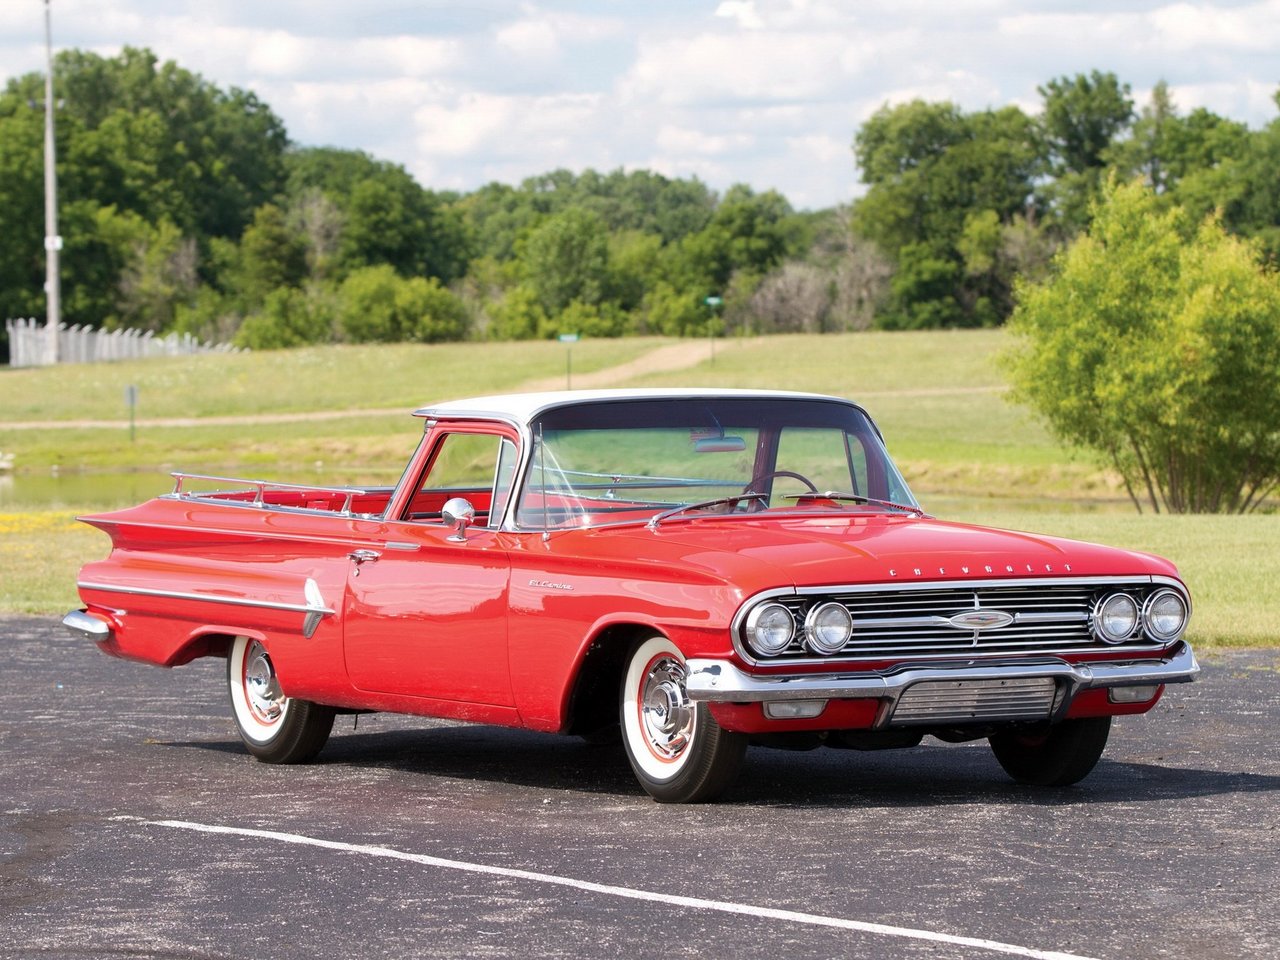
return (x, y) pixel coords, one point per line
(426, 611)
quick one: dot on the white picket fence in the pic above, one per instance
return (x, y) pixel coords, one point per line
(29, 344)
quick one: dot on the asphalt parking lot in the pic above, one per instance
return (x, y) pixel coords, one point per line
(133, 825)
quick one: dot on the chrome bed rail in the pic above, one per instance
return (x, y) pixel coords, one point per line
(260, 488)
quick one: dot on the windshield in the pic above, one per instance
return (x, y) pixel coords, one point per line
(632, 460)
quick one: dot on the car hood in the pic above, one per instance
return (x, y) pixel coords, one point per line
(827, 550)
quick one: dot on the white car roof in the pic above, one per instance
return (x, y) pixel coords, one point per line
(521, 408)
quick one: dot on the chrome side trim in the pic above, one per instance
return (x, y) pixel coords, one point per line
(719, 681)
(87, 627)
(315, 608)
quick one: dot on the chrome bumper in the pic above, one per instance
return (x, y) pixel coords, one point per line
(87, 627)
(721, 681)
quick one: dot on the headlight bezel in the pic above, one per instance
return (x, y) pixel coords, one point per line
(812, 628)
(1148, 615)
(1100, 615)
(752, 626)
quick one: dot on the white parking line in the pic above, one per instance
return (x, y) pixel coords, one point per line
(692, 903)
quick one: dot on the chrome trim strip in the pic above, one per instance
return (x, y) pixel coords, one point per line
(719, 681)
(89, 628)
(739, 618)
(309, 607)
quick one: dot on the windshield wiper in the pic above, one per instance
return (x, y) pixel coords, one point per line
(856, 498)
(657, 518)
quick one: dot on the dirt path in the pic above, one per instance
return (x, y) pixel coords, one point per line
(667, 359)
(676, 356)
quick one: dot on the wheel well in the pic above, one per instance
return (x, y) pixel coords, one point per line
(593, 705)
(205, 645)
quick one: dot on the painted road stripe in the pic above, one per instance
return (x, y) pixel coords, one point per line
(691, 903)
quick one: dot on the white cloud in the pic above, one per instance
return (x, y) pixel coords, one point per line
(529, 38)
(742, 12)
(768, 92)
(683, 141)
(752, 67)
(504, 125)
(1185, 27)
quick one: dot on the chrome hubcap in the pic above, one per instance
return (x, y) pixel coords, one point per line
(665, 710)
(261, 688)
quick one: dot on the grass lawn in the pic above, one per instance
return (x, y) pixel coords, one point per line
(938, 397)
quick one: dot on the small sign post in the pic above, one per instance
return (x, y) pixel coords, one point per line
(715, 303)
(131, 401)
(568, 339)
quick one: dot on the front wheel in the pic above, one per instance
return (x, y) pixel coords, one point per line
(274, 728)
(677, 750)
(1056, 756)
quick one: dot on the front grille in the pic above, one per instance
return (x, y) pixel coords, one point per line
(968, 701)
(889, 624)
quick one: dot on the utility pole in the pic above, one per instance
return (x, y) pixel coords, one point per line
(52, 242)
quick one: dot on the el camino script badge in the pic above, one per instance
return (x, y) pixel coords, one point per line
(981, 620)
(550, 585)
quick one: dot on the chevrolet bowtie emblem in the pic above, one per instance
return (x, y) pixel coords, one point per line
(981, 620)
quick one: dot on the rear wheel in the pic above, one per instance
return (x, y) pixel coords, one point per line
(677, 750)
(274, 728)
(1056, 756)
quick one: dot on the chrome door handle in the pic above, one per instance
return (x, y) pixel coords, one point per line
(363, 556)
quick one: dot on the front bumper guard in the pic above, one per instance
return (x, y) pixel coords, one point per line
(719, 681)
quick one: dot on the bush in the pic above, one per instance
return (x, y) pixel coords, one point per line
(1157, 343)
(428, 313)
(289, 318)
(376, 304)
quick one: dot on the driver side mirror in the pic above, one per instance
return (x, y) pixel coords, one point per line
(460, 514)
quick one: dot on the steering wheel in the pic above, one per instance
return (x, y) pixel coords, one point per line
(752, 488)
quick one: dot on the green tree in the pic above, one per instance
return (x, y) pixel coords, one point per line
(1164, 147)
(159, 140)
(935, 176)
(1081, 118)
(159, 275)
(1242, 184)
(385, 215)
(1156, 342)
(748, 233)
(139, 142)
(271, 256)
(567, 259)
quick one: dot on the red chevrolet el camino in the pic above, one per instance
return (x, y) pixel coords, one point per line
(702, 569)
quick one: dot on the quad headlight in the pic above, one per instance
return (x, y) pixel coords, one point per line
(828, 628)
(1164, 615)
(770, 629)
(1115, 618)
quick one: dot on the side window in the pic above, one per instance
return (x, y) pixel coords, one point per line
(475, 466)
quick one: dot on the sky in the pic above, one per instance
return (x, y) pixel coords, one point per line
(764, 92)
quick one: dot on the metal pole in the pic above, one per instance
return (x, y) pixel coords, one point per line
(52, 242)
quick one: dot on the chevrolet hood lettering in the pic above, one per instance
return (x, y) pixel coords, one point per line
(981, 620)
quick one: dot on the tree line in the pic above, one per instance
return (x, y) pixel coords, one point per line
(184, 207)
